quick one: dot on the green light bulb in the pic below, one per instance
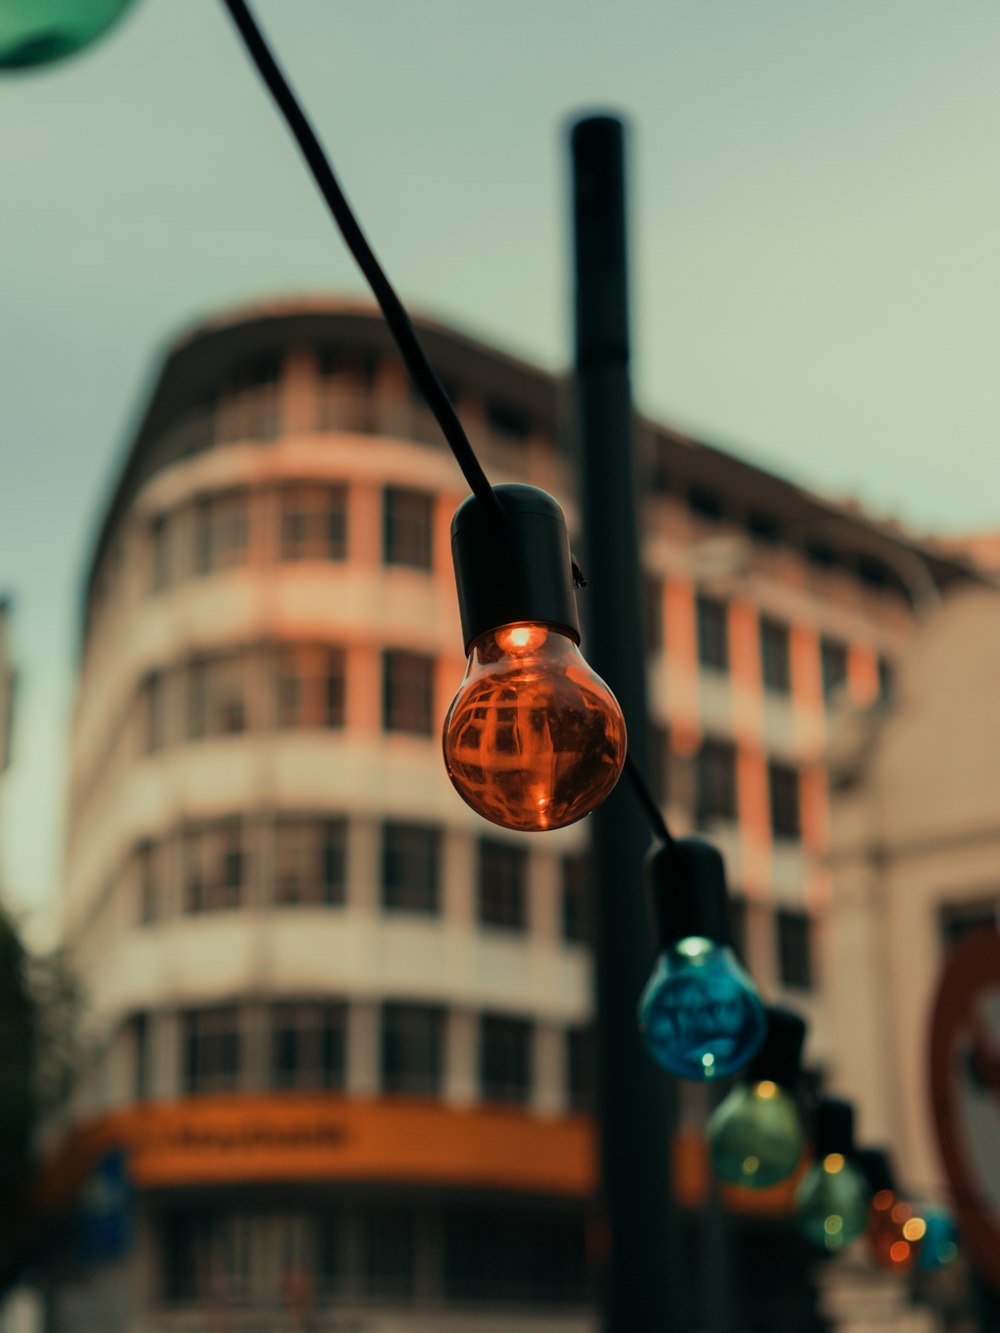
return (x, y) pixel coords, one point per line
(831, 1204)
(755, 1136)
(37, 32)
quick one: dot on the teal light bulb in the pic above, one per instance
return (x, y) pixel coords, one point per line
(38, 32)
(755, 1136)
(832, 1203)
(700, 1014)
(939, 1244)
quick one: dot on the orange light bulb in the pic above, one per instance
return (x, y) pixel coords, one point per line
(533, 739)
(892, 1231)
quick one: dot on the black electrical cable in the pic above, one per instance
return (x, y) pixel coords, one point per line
(414, 357)
(648, 802)
(398, 321)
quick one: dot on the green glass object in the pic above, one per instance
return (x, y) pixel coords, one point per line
(38, 32)
(755, 1136)
(831, 1204)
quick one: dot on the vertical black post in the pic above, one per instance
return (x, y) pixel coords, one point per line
(634, 1141)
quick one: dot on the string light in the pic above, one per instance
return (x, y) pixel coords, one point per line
(533, 739)
(832, 1202)
(700, 1015)
(755, 1135)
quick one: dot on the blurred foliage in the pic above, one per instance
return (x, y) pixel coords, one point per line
(59, 1048)
(41, 1010)
(18, 1046)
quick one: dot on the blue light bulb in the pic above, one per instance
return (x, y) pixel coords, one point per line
(939, 1244)
(700, 1014)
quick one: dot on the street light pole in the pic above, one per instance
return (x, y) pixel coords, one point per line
(640, 1294)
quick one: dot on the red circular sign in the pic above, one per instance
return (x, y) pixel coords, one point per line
(965, 1092)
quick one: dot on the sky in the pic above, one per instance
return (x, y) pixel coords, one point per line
(814, 203)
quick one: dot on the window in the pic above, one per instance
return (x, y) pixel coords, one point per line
(215, 869)
(155, 710)
(411, 855)
(503, 872)
(140, 1055)
(217, 696)
(507, 421)
(652, 613)
(408, 692)
(794, 952)
(412, 1047)
(345, 390)
(211, 1049)
(705, 503)
(738, 924)
(216, 1257)
(763, 527)
(715, 777)
(160, 551)
(713, 633)
(310, 862)
(873, 573)
(221, 532)
(958, 919)
(313, 523)
(659, 762)
(390, 1238)
(660, 475)
(147, 878)
(524, 1259)
(833, 666)
(775, 658)
(308, 1045)
(580, 1069)
(505, 1059)
(407, 528)
(310, 685)
(249, 407)
(886, 679)
(783, 784)
(576, 921)
(820, 556)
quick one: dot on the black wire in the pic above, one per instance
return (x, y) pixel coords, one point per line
(648, 802)
(414, 357)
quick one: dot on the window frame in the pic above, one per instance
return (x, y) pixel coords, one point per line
(423, 894)
(408, 528)
(712, 627)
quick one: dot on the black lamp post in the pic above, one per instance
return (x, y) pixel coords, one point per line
(634, 1129)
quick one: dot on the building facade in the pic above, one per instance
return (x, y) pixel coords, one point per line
(340, 1024)
(915, 860)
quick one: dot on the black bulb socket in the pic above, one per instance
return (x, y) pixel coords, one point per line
(779, 1059)
(687, 884)
(834, 1128)
(877, 1169)
(516, 569)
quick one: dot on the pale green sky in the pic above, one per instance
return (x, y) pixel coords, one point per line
(815, 213)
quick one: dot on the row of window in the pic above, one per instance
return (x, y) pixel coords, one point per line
(712, 506)
(308, 857)
(296, 685)
(712, 623)
(309, 860)
(219, 531)
(304, 686)
(307, 1045)
(717, 790)
(273, 1261)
